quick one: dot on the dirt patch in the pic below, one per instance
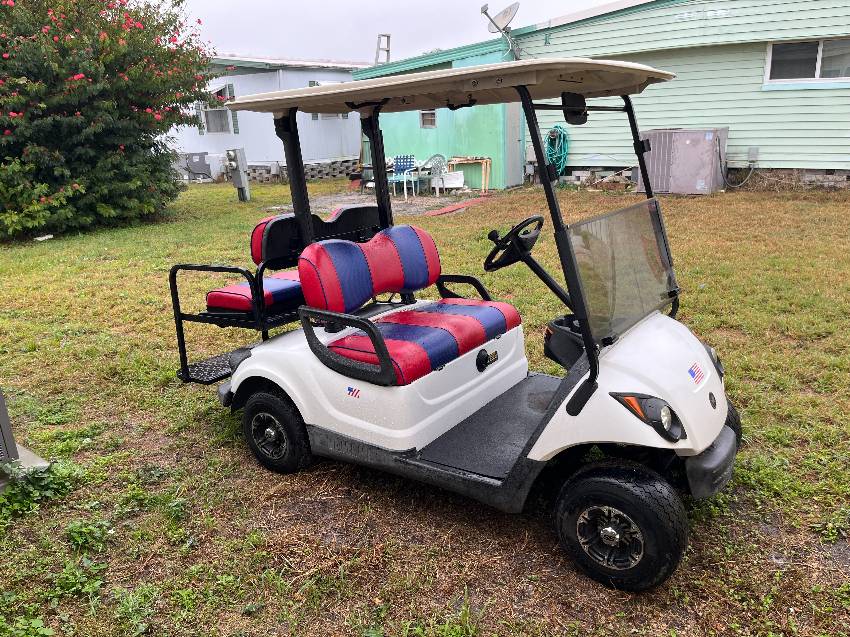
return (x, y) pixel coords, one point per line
(412, 206)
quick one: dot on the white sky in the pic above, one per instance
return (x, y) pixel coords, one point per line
(348, 29)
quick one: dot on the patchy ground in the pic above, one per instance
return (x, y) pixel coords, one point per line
(401, 207)
(170, 528)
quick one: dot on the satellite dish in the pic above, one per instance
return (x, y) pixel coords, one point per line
(499, 22)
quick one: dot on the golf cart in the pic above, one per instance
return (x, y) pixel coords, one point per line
(439, 390)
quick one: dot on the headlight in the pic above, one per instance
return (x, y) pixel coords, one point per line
(654, 412)
(666, 418)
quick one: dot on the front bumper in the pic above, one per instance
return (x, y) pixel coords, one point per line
(709, 471)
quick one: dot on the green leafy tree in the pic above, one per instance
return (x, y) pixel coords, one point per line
(88, 92)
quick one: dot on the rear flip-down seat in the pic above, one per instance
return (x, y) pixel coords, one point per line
(341, 276)
(281, 293)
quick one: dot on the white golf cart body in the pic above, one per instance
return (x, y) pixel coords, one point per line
(652, 358)
(481, 424)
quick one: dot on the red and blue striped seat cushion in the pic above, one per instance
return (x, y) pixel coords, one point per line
(341, 276)
(423, 339)
(281, 291)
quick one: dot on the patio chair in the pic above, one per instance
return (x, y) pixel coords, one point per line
(436, 167)
(403, 168)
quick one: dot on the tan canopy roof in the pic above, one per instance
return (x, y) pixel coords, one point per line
(486, 84)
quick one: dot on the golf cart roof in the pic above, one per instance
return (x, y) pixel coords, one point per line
(485, 84)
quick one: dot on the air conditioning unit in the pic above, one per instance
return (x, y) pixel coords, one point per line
(686, 161)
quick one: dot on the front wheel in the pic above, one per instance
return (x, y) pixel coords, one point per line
(624, 525)
(275, 432)
(733, 421)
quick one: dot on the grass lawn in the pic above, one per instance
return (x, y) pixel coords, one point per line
(169, 527)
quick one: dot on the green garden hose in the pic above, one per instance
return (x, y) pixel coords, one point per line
(558, 148)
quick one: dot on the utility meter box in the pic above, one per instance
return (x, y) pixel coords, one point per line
(237, 166)
(686, 161)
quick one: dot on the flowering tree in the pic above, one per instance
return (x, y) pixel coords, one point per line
(88, 89)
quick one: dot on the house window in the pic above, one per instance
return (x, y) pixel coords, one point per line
(812, 60)
(428, 119)
(217, 120)
(835, 59)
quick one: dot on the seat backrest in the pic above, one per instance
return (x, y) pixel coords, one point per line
(403, 163)
(341, 276)
(278, 238)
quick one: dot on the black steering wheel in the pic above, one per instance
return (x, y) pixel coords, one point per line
(516, 244)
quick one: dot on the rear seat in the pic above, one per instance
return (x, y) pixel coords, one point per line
(341, 276)
(281, 290)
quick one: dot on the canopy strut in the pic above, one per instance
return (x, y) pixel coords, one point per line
(286, 128)
(372, 130)
(566, 256)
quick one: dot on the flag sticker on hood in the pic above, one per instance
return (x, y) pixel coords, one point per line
(695, 372)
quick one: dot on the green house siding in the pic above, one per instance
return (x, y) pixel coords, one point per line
(722, 86)
(478, 131)
(671, 24)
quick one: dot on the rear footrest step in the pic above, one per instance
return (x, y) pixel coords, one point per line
(209, 371)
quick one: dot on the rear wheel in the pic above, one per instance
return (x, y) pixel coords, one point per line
(624, 525)
(275, 433)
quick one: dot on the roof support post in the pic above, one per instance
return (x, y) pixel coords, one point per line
(641, 146)
(286, 128)
(372, 130)
(546, 177)
(569, 266)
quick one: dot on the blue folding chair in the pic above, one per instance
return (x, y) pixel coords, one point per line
(403, 167)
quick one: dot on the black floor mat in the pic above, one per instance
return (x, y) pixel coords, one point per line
(491, 440)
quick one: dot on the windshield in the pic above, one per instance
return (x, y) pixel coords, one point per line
(624, 266)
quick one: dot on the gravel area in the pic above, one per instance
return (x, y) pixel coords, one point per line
(413, 206)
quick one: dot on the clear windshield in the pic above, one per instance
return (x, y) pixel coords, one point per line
(624, 265)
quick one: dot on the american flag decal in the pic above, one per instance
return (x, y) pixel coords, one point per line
(696, 373)
(354, 392)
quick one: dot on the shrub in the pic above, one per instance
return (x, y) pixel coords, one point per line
(88, 90)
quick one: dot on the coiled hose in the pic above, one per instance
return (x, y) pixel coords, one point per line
(558, 148)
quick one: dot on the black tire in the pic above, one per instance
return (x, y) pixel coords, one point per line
(733, 421)
(275, 433)
(605, 503)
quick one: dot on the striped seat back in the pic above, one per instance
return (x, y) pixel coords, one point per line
(341, 276)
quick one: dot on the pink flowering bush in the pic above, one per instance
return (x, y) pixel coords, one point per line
(88, 90)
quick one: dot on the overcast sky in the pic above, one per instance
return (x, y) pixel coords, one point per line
(348, 29)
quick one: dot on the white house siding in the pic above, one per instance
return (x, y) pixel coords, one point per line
(322, 140)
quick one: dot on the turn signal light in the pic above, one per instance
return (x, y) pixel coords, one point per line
(654, 412)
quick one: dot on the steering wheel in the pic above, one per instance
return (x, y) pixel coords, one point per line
(516, 244)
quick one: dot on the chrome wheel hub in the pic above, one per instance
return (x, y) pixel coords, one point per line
(268, 435)
(610, 537)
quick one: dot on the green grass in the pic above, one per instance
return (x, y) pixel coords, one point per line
(172, 529)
